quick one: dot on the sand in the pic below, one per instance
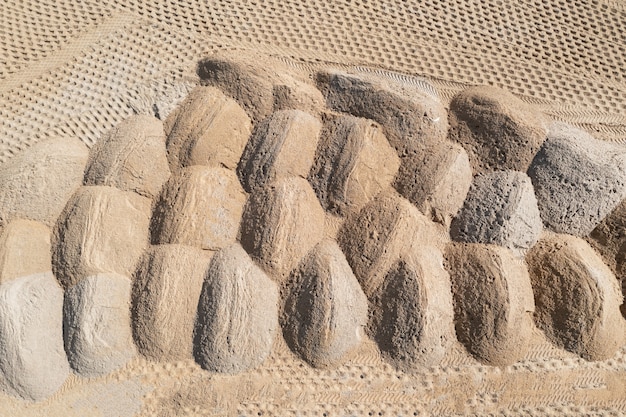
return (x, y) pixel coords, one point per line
(77, 70)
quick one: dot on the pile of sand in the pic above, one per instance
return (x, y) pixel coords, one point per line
(327, 209)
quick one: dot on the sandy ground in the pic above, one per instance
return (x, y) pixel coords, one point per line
(79, 68)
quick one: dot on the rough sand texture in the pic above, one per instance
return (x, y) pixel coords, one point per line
(577, 297)
(166, 291)
(280, 224)
(500, 209)
(209, 129)
(36, 184)
(101, 229)
(200, 206)
(496, 128)
(413, 319)
(380, 234)
(237, 317)
(410, 118)
(260, 91)
(353, 163)
(33, 363)
(436, 181)
(282, 146)
(131, 157)
(77, 69)
(325, 309)
(493, 301)
(97, 326)
(578, 179)
(609, 239)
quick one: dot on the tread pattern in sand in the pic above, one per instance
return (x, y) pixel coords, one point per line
(564, 57)
(80, 68)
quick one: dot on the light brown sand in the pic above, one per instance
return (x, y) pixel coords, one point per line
(79, 68)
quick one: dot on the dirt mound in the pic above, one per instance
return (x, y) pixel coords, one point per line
(281, 223)
(24, 249)
(352, 205)
(500, 209)
(31, 369)
(412, 320)
(353, 163)
(166, 291)
(282, 146)
(208, 129)
(411, 118)
(237, 317)
(493, 302)
(498, 130)
(436, 181)
(577, 297)
(259, 89)
(325, 309)
(37, 183)
(131, 157)
(200, 206)
(578, 180)
(96, 324)
(101, 229)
